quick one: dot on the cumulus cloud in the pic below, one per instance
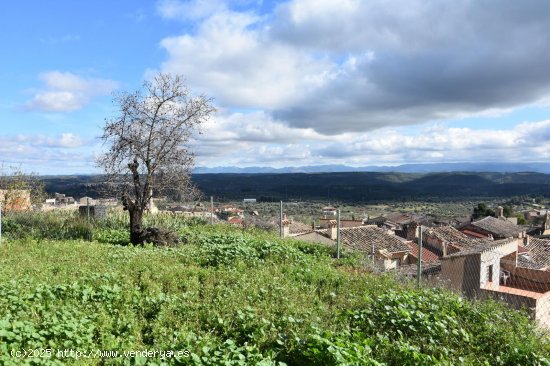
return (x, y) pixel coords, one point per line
(231, 60)
(256, 138)
(67, 92)
(66, 140)
(355, 65)
(45, 154)
(524, 142)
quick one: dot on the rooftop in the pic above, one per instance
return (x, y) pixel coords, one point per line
(483, 246)
(362, 238)
(427, 255)
(539, 251)
(514, 291)
(451, 235)
(499, 227)
(297, 227)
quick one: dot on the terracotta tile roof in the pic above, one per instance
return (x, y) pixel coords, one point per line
(524, 260)
(297, 227)
(514, 291)
(451, 235)
(483, 246)
(498, 227)
(411, 270)
(427, 255)
(539, 251)
(362, 238)
(474, 234)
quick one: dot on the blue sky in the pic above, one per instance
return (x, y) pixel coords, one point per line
(300, 82)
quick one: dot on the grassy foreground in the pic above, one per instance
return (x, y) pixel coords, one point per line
(232, 297)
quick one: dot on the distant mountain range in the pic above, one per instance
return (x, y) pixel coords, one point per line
(405, 168)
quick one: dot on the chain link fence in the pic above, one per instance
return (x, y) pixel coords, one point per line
(476, 264)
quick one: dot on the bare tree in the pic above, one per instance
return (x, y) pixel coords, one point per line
(149, 145)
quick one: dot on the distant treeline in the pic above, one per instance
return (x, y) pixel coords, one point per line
(350, 187)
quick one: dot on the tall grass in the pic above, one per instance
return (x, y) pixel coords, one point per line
(234, 297)
(69, 225)
(55, 225)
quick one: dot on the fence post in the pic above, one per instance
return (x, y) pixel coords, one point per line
(419, 269)
(281, 220)
(88, 209)
(338, 234)
(0, 222)
(211, 210)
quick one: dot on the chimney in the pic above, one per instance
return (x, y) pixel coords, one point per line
(499, 212)
(444, 248)
(332, 229)
(411, 230)
(526, 241)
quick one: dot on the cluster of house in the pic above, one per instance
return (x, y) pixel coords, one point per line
(489, 257)
(228, 213)
(61, 200)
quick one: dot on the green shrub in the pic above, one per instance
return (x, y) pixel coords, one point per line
(236, 297)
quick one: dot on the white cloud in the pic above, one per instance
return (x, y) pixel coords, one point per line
(230, 60)
(353, 65)
(47, 154)
(254, 127)
(67, 140)
(524, 142)
(67, 92)
(256, 139)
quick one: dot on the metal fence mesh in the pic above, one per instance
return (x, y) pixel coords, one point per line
(512, 269)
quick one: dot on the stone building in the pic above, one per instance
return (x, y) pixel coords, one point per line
(446, 240)
(387, 250)
(492, 227)
(494, 271)
(15, 200)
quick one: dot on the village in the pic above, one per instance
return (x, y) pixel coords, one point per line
(485, 257)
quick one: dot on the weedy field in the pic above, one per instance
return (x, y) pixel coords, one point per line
(228, 296)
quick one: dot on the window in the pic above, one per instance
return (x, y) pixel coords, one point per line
(490, 273)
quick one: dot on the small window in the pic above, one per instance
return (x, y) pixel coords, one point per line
(490, 273)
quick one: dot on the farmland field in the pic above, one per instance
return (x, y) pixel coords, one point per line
(230, 296)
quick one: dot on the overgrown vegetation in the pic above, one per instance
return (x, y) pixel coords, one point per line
(230, 296)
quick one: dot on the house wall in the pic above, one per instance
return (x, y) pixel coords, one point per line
(396, 260)
(493, 258)
(515, 301)
(538, 308)
(489, 259)
(433, 243)
(15, 200)
(528, 279)
(462, 274)
(542, 312)
(389, 264)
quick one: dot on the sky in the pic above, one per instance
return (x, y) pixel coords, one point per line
(299, 82)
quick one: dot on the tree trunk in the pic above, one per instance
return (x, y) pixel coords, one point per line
(136, 230)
